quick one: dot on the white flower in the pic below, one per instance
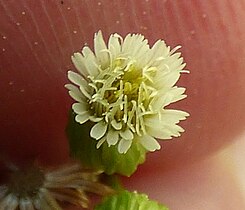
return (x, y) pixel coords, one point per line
(124, 88)
(31, 188)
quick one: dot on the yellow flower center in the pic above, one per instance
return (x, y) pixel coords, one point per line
(122, 92)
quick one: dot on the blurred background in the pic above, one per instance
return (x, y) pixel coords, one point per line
(203, 169)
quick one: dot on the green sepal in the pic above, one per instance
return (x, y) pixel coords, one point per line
(108, 159)
(125, 200)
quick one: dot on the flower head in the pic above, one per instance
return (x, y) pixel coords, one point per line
(124, 88)
(32, 188)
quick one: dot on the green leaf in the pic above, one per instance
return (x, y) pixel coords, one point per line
(108, 159)
(129, 201)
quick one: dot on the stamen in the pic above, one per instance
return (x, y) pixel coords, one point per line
(150, 71)
(50, 199)
(93, 86)
(99, 68)
(140, 94)
(129, 64)
(77, 197)
(131, 114)
(167, 69)
(185, 71)
(136, 118)
(125, 116)
(175, 49)
(118, 36)
(142, 123)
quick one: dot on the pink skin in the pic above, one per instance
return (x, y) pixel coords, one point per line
(37, 39)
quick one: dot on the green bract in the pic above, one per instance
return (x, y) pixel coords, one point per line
(129, 201)
(105, 158)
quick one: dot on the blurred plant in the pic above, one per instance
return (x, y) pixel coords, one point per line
(32, 188)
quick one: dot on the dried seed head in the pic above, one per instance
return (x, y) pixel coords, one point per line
(34, 188)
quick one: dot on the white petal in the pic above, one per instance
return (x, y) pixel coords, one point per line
(144, 51)
(95, 119)
(10, 202)
(177, 94)
(166, 80)
(37, 203)
(116, 125)
(112, 137)
(3, 191)
(149, 143)
(71, 87)
(127, 134)
(100, 49)
(90, 62)
(174, 62)
(172, 115)
(98, 130)
(82, 118)
(166, 117)
(75, 93)
(161, 100)
(164, 126)
(76, 78)
(85, 91)
(159, 133)
(175, 130)
(157, 128)
(26, 204)
(174, 57)
(145, 58)
(78, 61)
(159, 50)
(100, 142)
(82, 83)
(135, 45)
(80, 108)
(177, 64)
(76, 96)
(114, 45)
(167, 96)
(124, 145)
(127, 43)
(139, 46)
